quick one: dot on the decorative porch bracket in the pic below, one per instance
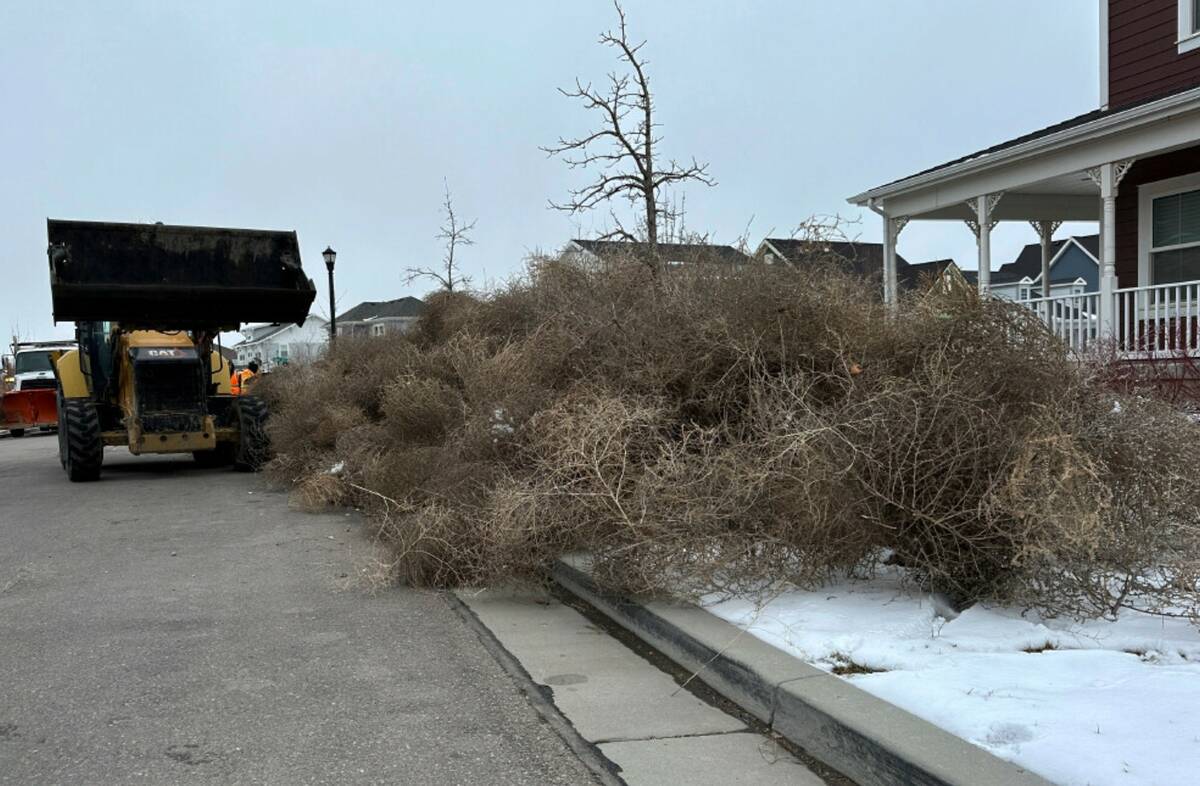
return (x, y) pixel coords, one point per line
(982, 226)
(1107, 178)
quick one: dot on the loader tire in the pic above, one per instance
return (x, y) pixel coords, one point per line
(80, 440)
(253, 448)
(16, 432)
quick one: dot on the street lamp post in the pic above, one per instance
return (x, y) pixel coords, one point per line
(330, 257)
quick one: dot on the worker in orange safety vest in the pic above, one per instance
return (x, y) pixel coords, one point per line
(240, 381)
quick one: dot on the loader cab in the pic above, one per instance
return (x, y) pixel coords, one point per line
(97, 348)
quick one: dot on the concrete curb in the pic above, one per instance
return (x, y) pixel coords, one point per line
(868, 739)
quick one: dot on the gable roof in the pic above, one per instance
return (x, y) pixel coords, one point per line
(670, 252)
(261, 332)
(914, 276)
(381, 309)
(257, 333)
(865, 259)
(1029, 261)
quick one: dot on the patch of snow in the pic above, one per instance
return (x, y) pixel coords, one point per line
(1079, 703)
(337, 468)
(501, 427)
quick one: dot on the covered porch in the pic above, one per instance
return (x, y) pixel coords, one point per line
(1135, 172)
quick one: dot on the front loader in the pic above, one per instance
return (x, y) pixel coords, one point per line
(149, 302)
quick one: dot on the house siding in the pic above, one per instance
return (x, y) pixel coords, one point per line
(1076, 263)
(1143, 58)
(1148, 170)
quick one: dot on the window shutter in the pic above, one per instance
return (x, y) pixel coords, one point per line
(1189, 217)
(1166, 221)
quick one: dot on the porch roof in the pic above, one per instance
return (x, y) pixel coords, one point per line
(1043, 175)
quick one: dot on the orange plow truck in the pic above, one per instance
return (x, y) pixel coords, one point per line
(29, 392)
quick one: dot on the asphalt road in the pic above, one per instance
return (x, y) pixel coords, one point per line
(171, 624)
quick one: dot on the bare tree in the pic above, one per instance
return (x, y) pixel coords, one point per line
(623, 150)
(455, 233)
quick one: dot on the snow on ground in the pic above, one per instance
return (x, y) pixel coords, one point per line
(1090, 703)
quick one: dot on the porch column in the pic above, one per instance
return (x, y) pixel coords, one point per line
(1046, 230)
(1108, 177)
(891, 233)
(982, 226)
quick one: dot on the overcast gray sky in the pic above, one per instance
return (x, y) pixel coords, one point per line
(340, 120)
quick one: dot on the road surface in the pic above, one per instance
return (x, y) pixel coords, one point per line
(173, 624)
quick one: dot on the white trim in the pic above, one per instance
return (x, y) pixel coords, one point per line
(1147, 193)
(1163, 108)
(1062, 250)
(1082, 248)
(1104, 54)
(1189, 35)
(774, 251)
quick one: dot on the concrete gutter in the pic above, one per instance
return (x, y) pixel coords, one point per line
(868, 739)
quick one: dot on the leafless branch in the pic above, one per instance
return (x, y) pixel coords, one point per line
(622, 151)
(455, 234)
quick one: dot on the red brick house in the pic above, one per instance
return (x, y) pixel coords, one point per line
(1132, 165)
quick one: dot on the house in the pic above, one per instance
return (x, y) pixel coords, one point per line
(863, 259)
(939, 274)
(673, 254)
(277, 345)
(377, 318)
(1074, 269)
(1132, 165)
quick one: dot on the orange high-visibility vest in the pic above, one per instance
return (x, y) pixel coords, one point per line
(240, 381)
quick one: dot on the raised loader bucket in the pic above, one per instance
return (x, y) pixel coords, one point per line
(164, 277)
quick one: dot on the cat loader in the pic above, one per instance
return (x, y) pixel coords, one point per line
(149, 302)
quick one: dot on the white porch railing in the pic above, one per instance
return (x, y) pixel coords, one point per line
(1157, 320)
(1074, 318)
(1152, 321)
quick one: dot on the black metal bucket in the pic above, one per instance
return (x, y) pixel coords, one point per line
(164, 277)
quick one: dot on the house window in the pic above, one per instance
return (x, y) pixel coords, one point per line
(1024, 293)
(1175, 238)
(1189, 25)
(377, 330)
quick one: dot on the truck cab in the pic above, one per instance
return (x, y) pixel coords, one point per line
(33, 368)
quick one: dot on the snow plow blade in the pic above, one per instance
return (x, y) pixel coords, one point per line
(163, 277)
(23, 409)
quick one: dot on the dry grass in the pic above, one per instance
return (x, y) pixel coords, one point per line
(724, 430)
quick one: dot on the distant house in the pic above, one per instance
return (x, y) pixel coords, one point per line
(673, 254)
(938, 274)
(1074, 268)
(277, 345)
(862, 259)
(377, 318)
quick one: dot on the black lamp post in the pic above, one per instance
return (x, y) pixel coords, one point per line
(331, 257)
